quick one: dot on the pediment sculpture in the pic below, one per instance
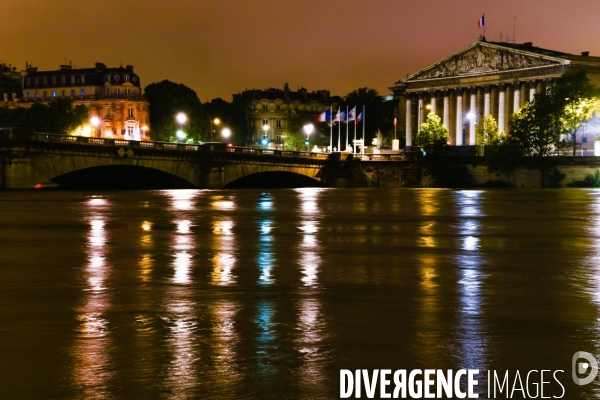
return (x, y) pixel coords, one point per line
(482, 59)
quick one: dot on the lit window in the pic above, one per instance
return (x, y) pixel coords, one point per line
(82, 79)
(126, 78)
(117, 91)
(279, 123)
(83, 92)
(54, 93)
(126, 91)
(28, 94)
(131, 112)
(264, 107)
(72, 93)
(37, 94)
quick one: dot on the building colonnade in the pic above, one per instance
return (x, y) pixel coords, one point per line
(461, 107)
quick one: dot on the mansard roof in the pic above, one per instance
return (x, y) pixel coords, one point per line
(484, 57)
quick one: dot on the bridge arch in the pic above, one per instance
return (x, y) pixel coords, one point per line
(274, 179)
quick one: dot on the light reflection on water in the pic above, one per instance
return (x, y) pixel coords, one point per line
(244, 294)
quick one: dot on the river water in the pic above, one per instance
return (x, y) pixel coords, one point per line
(229, 294)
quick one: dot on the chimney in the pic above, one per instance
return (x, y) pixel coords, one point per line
(528, 44)
(585, 53)
(129, 68)
(100, 66)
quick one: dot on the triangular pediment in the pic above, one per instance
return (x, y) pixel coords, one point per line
(484, 58)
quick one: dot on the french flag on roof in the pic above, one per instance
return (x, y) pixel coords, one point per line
(481, 21)
(324, 116)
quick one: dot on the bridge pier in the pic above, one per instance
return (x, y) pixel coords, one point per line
(16, 173)
(212, 177)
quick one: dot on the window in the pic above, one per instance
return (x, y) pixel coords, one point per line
(63, 93)
(127, 91)
(279, 139)
(73, 80)
(54, 93)
(28, 95)
(28, 81)
(82, 79)
(83, 92)
(278, 107)
(63, 80)
(107, 111)
(279, 123)
(106, 91)
(130, 131)
(126, 78)
(117, 91)
(53, 81)
(45, 81)
(37, 82)
(37, 94)
(265, 122)
(72, 93)
(265, 107)
(131, 112)
(5, 96)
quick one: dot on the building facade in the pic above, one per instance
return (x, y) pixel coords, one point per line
(486, 78)
(270, 112)
(10, 84)
(113, 96)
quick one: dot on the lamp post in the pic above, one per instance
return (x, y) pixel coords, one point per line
(308, 129)
(95, 121)
(181, 119)
(265, 139)
(226, 133)
(215, 121)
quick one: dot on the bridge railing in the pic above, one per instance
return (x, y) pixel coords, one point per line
(210, 147)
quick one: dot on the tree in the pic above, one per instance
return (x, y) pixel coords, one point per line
(432, 133)
(166, 100)
(535, 128)
(225, 111)
(578, 100)
(379, 113)
(487, 131)
(57, 116)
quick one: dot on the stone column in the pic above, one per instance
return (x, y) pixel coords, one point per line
(459, 117)
(532, 87)
(420, 112)
(446, 120)
(433, 103)
(408, 120)
(517, 96)
(501, 108)
(473, 118)
(486, 101)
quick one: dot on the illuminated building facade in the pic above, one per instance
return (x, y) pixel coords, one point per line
(113, 96)
(487, 78)
(275, 108)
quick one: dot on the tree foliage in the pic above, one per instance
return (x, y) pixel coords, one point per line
(167, 99)
(432, 133)
(226, 113)
(577, 101)
(487, 131)
(378, 112)
(58, 116)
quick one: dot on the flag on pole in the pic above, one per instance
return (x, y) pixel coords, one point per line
(395, 120)
(324, 116)
(352, 114)
(338, 116)
(344, 116)
(481, 21)
(359, 118)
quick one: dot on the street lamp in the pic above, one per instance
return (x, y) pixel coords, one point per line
(215, 121)
(95, 121)
(308, 129)
(181, 118)
(265, 139)
(226, 133)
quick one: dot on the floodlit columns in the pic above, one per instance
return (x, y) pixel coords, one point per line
(408, 120)
(432, 103)
(473, 119)
(516, 96)
(486, 101)
(532, 89)
(459, 117)
(420, 111)
(501, 107)
(446, 120)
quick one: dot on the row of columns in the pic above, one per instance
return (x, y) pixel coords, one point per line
(459, 102)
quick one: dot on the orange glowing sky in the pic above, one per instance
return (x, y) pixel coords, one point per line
(221, 47)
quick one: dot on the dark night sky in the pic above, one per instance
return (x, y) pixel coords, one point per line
(221, 47)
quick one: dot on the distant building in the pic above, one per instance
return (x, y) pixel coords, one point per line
(487, 78)
(113, 95)
(276, 108)
(10, 84)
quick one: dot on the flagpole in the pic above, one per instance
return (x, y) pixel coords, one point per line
(354, 143)
(483, 24)
(330, 129)
(364, 122)
(346, 144)
(339, 127)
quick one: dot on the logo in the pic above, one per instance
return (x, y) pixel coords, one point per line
(589, 366)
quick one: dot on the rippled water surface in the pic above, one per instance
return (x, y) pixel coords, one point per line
(250, 294)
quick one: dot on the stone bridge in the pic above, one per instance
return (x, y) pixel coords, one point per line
(29, 160)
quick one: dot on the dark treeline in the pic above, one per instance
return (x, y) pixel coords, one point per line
(58, 116)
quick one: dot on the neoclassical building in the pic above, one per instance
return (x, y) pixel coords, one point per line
(486, 78)
(269, 112)
(113, 96)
